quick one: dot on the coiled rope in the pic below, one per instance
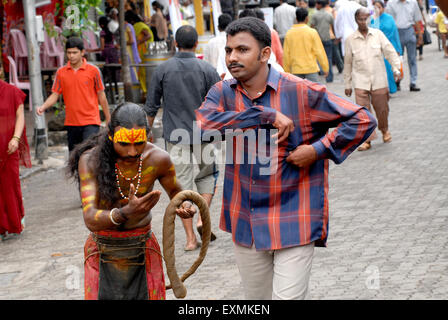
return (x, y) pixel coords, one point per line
(179, 289)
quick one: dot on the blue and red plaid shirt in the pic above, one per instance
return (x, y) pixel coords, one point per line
(289, 206)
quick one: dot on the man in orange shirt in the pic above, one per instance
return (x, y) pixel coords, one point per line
(82, 88)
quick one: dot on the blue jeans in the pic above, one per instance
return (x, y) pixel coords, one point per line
(328, 46)
(409, 41)
(309, 76)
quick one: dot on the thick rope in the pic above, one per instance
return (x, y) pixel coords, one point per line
(179, 289)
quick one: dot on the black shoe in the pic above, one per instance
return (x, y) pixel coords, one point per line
(398, 86)
(413, 87)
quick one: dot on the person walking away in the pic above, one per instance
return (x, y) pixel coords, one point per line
(216, 45)
(182, 83)
(276, 211)
(131, 46)
(14, 152)
(407, 16)
(386, 24)
(337, 52)
(81, 85)
(116, 171)
(366, 72)
(303, 48)
(144, 35)
(421, 30)
(323, 22)
(344, 23)
(284, 18)
(441, 22)
(158, 22)
(275, 38)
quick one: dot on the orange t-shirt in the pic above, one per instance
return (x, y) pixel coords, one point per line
(80, 91)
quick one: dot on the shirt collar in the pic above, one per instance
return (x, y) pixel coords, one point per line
(273, 79)
(359, 35)
(185, 54)
(83, 66)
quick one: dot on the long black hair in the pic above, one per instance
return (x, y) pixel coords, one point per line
(103, 156)
(104, 22)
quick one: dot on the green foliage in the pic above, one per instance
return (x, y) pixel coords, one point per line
(76, 13)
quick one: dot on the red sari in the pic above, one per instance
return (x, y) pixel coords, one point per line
(11, 205)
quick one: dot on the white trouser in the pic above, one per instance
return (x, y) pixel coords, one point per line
(275, 274)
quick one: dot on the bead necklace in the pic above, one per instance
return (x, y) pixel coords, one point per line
(138, 175)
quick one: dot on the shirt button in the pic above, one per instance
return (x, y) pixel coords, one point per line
(253, 182)
(255, 103)
(252, 209)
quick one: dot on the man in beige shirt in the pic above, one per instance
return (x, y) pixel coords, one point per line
(365, 71)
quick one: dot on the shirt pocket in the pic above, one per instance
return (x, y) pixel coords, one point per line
(358, 58)
(376, 49)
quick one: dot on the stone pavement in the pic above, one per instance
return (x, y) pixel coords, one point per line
(388, 217)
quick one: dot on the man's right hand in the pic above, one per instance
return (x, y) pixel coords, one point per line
(138, 208)
(40, 110)
(284, 125)
(348, 92)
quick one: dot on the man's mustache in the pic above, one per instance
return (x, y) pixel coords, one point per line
(232, 65)
(132, 157)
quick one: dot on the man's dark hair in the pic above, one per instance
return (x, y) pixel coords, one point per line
(259, 13)
(257, 28)
(157, 5)
(186, 37)
(301, 14)
(311, 3)
(322, 3)
(130, 17)
(247, 13)
(74, 42)
(103, 156)
(103, 21)
(223, 21)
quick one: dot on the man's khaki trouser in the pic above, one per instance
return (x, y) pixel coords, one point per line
(275, 274)
(379, 99)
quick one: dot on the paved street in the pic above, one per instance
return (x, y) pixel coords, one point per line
(388, 217)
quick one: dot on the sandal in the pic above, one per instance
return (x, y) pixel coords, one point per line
(365, 146)
(212, 236)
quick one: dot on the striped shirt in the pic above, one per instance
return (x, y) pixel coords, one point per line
(276, 204)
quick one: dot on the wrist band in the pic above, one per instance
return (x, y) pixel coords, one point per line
(112, 218)
(17, 138)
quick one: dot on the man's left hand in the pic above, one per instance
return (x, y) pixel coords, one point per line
(186, 211)
(303, 156)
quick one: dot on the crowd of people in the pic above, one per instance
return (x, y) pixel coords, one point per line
(251, 76)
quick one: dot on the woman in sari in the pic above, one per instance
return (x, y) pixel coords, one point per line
(143, 35)
(131, 47)
(386, 23)
(14, 151)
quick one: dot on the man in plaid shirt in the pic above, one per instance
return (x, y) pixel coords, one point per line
(277, 211)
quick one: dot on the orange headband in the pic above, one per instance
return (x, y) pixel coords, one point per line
(130, 135)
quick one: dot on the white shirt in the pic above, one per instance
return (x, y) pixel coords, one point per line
(284, 18)
(214, 47)
(345, 23)
(364, 60)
